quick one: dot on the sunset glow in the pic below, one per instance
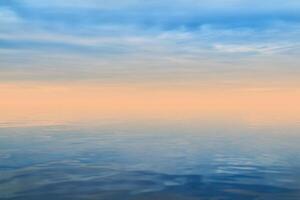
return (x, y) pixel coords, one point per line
(92, 102)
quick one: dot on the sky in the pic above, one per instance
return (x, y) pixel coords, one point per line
(155, 40)
(99, 104)
(148, 54)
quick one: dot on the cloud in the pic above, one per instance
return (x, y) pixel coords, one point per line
(96, 38)
(256, 48)
(8, 16)
(223, 4)
(167, 14)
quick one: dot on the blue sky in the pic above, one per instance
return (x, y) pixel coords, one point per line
(131, 39)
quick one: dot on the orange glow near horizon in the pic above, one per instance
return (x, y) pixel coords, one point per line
(59, 103)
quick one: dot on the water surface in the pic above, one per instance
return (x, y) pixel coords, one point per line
(153, 161)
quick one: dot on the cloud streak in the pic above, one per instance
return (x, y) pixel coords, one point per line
(93, 38)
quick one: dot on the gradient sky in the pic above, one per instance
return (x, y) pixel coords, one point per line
(149, 40)
(177, 56)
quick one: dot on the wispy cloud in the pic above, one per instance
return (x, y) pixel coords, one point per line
(93, 38)
(257, 48)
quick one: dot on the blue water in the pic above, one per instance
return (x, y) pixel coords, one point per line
(149, 162)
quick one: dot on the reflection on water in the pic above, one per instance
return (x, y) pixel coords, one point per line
(149, 162)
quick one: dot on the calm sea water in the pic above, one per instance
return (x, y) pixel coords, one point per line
(150, 162)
